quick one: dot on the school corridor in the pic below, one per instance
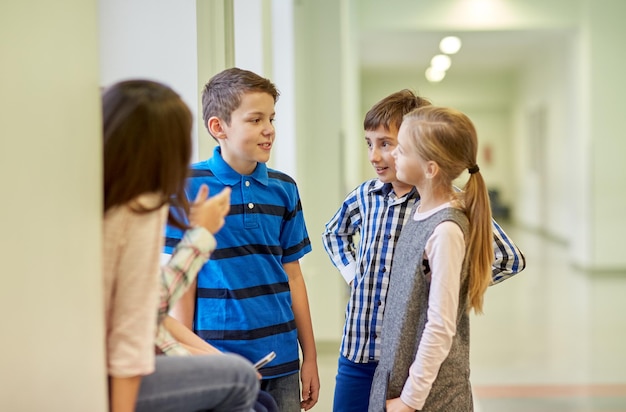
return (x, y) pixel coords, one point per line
(552, 338)
(541, 79)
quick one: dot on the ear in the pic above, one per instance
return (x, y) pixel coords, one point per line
(432, 169)
(214, 124)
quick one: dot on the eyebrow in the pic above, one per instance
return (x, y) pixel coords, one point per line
(379, 138)
(257, 113)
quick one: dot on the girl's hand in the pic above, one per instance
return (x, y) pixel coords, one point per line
(396, 405)
(210, 212)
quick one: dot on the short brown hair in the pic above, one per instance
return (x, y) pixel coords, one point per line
(147, 143)
(389, 111)
(222, 94)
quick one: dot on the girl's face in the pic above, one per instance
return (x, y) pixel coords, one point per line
(410, 167)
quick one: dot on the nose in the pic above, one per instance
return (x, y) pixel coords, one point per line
(269, 129)
(373, 154)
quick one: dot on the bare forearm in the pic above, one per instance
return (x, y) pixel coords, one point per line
(302, 314)
(185, 336)
(123, 393)
(309, 375)
(183, 310)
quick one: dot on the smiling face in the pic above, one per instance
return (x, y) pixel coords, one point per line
(410, 167)
(248, 139)
(380, 143)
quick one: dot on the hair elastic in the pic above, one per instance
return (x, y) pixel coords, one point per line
(473, 169)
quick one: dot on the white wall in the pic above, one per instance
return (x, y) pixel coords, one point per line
(151, 39)
(576, 196)
(606, 111)
(52, 356)
(264, 44)
(547, 86)
(283, 29)
(318, 113)
(352, 119)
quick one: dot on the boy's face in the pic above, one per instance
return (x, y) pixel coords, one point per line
(380, 144)
(249, 137)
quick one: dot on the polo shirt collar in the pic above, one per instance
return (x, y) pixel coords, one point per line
(230, 177)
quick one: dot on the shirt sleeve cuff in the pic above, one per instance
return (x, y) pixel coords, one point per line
(348, 272)
(406, 398)
(201, 239)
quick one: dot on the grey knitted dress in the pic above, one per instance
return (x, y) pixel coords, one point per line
(405, 318)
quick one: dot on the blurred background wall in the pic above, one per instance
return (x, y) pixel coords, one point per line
(52, 327)
(540, 78)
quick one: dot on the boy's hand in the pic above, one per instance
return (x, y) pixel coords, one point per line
(210, 212)
(310, 384)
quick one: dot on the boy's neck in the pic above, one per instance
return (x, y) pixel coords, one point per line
(244, 168)
(400, 188)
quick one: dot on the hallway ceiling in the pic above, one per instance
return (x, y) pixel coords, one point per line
(486, 51)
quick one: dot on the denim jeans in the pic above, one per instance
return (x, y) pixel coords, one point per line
(285, 391)
(265, 403)
(220, 383)
(352, 385)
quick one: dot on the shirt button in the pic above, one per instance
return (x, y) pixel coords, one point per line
(247, 183)
(250, 205)
(380, 303)
(384, 270)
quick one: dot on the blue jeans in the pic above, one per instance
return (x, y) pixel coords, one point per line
(265, 403)
(352, 385)
(220, 383)
(285, 391)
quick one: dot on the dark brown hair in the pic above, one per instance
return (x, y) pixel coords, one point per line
(147, 144)
(389, 111)
(222, 94)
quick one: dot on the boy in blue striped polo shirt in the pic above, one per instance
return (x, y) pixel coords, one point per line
(250, 297)
(376, 211)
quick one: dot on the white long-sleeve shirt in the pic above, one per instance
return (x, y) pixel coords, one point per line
(445, 251)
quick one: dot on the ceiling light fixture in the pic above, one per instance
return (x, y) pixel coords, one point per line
(434, 76)
(440, 62)
(450, 45)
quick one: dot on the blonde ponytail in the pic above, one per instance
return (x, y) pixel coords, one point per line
(480, 243)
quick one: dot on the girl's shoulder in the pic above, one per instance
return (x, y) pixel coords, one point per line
(142, 204)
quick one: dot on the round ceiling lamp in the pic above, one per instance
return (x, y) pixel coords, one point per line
(450, 45)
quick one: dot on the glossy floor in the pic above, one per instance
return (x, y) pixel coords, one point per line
(552, 339)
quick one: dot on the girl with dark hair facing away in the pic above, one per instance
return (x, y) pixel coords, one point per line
(441, 268)
(147, 150)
